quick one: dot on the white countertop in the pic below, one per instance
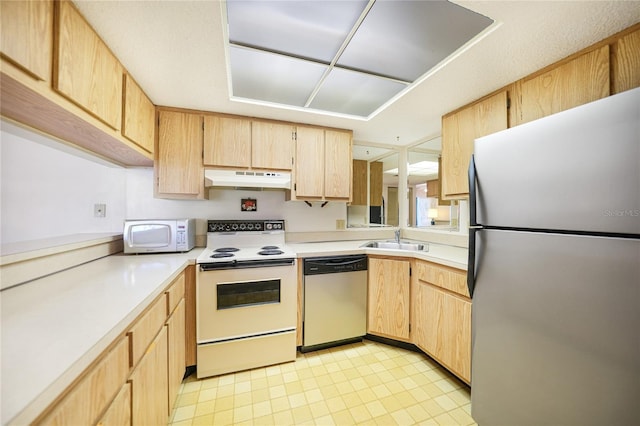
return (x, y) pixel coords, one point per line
(455, 257)
(54, 327)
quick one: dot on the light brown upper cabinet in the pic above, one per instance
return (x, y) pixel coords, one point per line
(625, 63)
(323, 164)
(337, 168)
(360, 183)
(459, 130)
(576, 82)
(375, 183)
(138, 115)
(271, 145)
(362, 180)
(85, 71)
(227, 141)
(309, 170)
(27, 34)
(433, 188)
(178, 155)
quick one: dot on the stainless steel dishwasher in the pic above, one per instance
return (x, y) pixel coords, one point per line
(335, 301)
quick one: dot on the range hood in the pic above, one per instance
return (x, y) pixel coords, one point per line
(247, 179)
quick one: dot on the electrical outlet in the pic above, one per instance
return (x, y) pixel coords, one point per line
(99, 210)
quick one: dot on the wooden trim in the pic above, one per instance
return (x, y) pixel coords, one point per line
(190, 315)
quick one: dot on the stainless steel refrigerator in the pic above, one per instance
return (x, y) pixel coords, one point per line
(554, 269)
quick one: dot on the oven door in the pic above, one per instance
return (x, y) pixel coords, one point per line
(242, 302)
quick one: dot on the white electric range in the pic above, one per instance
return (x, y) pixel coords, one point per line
(246, 297)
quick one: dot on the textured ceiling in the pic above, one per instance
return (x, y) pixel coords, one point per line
(175, 50)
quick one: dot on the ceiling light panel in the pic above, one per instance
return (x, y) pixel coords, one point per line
(307, 29)
(354, 93)
(271, 77)
(404, 39)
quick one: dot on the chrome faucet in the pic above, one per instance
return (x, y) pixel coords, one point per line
(398, 235)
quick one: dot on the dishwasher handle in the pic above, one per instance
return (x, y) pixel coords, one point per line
(334, 264)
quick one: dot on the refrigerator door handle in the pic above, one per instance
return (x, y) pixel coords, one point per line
(472, 192)
(473, 227)
(471, 263)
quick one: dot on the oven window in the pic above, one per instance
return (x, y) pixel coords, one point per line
(248, 293)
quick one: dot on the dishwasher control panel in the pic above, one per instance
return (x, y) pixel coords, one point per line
(334, 264)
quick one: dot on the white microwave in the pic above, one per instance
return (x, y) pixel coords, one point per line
(159, 236)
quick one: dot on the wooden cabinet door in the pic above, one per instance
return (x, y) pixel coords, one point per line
(27, 34)
(150, 389)
(459, 130)
(582, 80)
(119, 412)
(95, 391)
(178, 162)
(442, 327)
(271, 145)
(375, 183)
(360, 183)
(625, 63)
(433, 188)
(85, 70)
(227, 141)
(139, 115)
(388, 304)
(176, 353)
(309, 168)
(337, 165)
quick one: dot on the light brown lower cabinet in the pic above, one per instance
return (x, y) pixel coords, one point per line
(101, 384)
(388, 305)
(136, 381)
(442, 325)
(149, 385)
(119, 412)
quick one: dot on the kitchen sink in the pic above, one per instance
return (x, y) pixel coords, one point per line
(395, 245)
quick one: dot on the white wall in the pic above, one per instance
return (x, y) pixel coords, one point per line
(225, 204)
(49, 189)
(46, 191)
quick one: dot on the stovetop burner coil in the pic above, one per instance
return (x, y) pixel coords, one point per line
(270, 252)
(226, 250)
(221, 255)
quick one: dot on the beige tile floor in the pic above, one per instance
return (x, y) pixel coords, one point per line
(365, 383)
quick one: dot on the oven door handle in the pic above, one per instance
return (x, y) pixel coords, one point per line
(247, 264)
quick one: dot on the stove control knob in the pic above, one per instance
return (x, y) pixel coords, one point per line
(258, 227)
(227, 227)
(269, 226)
(234, 226)
(243, 226)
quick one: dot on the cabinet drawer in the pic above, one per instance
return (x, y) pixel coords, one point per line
(175, 293)
(146, 328)
(442, 276)
(95, 391)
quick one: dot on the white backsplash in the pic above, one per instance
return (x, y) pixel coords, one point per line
(225, 204)
(46, 191)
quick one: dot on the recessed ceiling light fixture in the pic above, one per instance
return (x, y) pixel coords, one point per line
(348, 57)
